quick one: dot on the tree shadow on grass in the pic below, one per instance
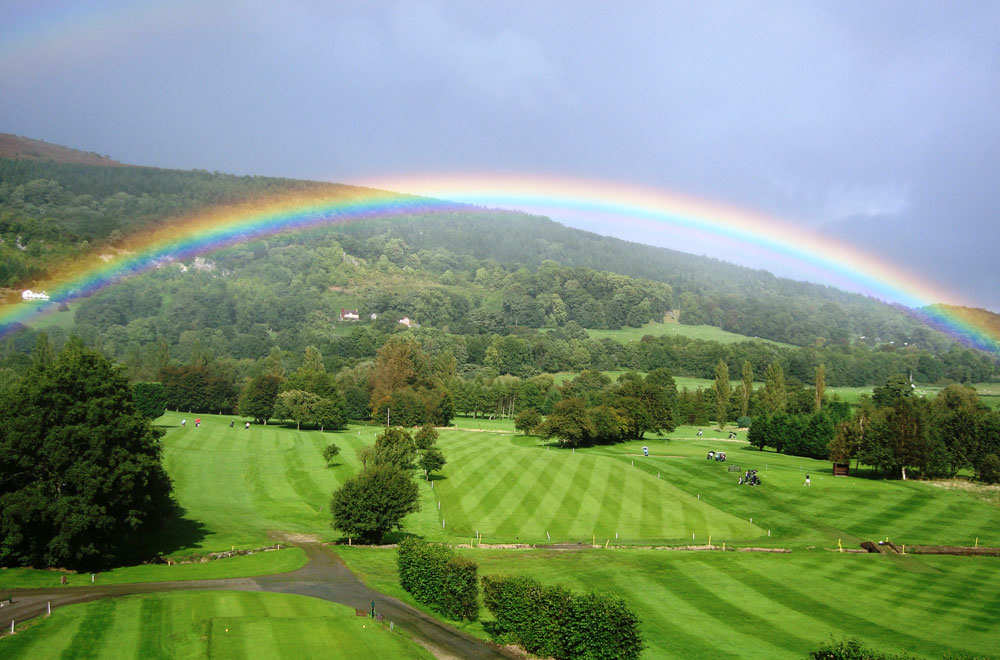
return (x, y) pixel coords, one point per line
(177, 532)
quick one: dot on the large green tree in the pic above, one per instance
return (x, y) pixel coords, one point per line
(81, 481)
(258, 397)
(374, 502)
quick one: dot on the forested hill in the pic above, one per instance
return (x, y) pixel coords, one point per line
(51, 210)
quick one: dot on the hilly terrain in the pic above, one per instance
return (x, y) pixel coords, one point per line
(502, 291)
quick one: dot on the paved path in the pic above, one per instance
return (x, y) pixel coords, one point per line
(325, 576)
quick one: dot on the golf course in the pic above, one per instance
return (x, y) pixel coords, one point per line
(611, 516)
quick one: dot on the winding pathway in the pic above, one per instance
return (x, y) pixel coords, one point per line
(325, 577)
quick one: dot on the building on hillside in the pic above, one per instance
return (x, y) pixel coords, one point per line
(408, 322)
(373, 316)
(28, 294)
(349, 314)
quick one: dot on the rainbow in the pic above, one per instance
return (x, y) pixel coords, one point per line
(606, 207)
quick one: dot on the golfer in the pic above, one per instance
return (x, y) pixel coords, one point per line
(808, 482)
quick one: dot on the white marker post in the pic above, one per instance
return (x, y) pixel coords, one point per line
(49, 608)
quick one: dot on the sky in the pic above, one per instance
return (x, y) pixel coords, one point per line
(874, 123)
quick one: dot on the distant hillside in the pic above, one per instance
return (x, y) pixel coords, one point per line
(51, 211)
(980, 318)
(22, 148)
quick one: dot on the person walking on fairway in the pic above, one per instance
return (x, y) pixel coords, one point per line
(184, 422)
(247, 427)
(808, 482)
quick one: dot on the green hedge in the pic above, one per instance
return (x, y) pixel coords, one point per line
(553, 621)
(436, 576)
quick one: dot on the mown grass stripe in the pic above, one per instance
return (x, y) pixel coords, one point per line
(93, 630)
(826, 614)
(730, 615)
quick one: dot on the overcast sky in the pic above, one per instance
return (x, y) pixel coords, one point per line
(874, 122)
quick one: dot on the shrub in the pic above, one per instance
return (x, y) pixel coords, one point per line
(330, 453)
(989, 469)
(435, 576)
(852, 649)
(553, 621)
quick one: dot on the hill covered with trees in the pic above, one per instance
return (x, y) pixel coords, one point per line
(498, 291)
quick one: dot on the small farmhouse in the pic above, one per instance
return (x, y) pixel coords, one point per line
(349, 314)
(28, 294)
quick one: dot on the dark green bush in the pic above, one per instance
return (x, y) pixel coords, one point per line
(852, 649)
(435, 576)
(553, 621)
(150, 399)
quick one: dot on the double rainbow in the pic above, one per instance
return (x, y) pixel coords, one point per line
(607, 207)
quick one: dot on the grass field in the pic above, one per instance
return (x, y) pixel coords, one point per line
(726, 605)
(658, 329)
(262, 563)
(211, 624)
(244, 487)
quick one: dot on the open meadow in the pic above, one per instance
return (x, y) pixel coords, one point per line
(660, 329)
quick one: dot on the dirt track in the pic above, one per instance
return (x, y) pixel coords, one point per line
(325, 576)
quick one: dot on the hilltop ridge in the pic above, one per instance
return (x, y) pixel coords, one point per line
(19, 147)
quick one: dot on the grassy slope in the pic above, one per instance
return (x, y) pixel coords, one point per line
(244, 484)
(754, 605)
(208, 625)
(658, 329)
(263, 563)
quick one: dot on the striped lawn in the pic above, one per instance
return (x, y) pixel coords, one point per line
(513, 489)
(847, 508)
(242, 484)
(700, 604)
(215, 624)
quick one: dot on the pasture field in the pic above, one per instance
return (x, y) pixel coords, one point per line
(659, 329)
(261, 563)
(208, 624)
(727, 605)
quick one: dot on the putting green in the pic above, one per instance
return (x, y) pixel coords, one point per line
(208, 624)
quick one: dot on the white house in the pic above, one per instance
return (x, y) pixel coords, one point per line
(349, 314)
(28, 294)
(407, 322)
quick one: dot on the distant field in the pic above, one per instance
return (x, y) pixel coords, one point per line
(715, 605)
(658, 329)
(53, 319)
(208, 624)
